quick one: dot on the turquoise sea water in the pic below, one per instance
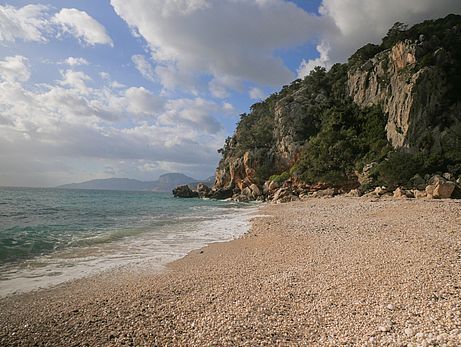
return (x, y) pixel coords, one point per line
(51, 235)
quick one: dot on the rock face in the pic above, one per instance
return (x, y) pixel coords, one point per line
(409, 94)
(411, 79)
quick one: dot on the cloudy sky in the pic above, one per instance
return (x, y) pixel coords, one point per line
(116, 88)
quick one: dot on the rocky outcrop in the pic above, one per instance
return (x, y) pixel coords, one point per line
(410, 79)
(184, 192)
(411, 95)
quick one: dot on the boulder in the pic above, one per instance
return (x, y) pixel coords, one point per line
(222, 193)
(203, 190)
(443, 190)
(448, 176)
(430, 191)
(184, 192)
(354, 193)
(399, 193)
(280, 193)
(436, 179)
(418, 182)
(324, 193)
(256, 192)
(247, 192)
(380, 190)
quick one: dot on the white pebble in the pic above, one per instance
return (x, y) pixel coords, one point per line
(409, 332)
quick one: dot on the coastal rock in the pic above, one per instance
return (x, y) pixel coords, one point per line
(287, 198)
(443, 190)
(221, 193)
(418, 182)
(380, 190)
(255, 191)
(354, 193)
(399, 193)
(430, 191)
(203, 190)
(184, 192)
(324, 193)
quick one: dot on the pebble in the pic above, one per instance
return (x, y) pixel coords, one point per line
(409, 332)
(320, 274)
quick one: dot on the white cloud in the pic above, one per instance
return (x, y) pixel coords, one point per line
(14, 68)
(141, 101)
(322, 61)
(256, 93)
(143, 66)
(235, 38)
(359, 22)
(82, 26)
(228, 107)
(73, 61)
(75, 80)
(196, 113)
(27, 23)
(75, 125)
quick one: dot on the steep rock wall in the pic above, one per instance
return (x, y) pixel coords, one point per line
(409, 95)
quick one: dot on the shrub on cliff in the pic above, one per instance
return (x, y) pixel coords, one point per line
(347, 137)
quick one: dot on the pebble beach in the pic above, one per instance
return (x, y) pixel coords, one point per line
(321, 272)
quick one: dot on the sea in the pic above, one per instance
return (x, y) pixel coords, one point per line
(49, 236)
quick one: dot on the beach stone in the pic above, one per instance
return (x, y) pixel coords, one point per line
(409, 332)
(380, 190)
(399, 193)
(418, 182)
(354, 193)
(329, 192)
(255, 190)
(430, 191)
(443, 190)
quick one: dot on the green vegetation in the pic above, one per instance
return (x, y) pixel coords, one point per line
(336, 137)
(348, 139)
(280, 178)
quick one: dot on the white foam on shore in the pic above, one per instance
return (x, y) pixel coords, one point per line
(148, 250)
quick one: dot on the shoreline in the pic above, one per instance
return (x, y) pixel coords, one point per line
(320, 272)
(73, 264)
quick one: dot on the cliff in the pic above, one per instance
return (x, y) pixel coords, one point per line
(392, 112)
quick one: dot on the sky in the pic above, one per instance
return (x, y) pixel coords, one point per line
(115, 88)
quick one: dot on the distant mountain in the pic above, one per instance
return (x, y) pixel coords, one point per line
(169, 181)
(165, 183)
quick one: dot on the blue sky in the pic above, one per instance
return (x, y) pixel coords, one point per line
(98, 89)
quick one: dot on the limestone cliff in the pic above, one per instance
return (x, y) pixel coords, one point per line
(413, 77)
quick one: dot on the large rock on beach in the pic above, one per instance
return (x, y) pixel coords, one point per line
(443, 190)
(203, 190)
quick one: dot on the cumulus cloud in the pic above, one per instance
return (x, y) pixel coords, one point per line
(82, 26)
(143, 66)
(74, 123)
(14, 68)
(196, 113)
(76, 61)
(234, 38)
(28, 23)
(35, 23)
(359, 22)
